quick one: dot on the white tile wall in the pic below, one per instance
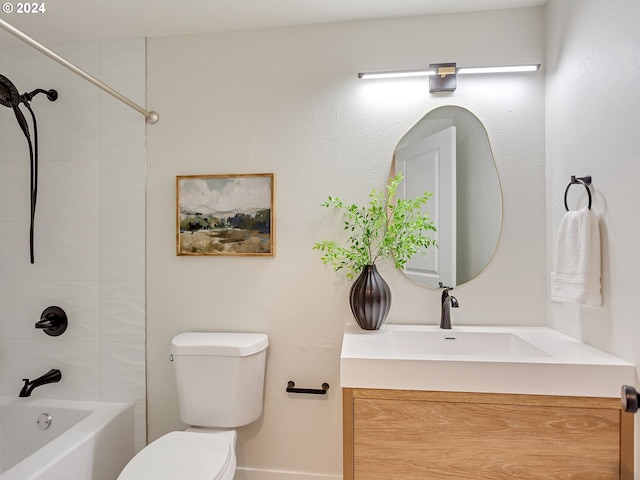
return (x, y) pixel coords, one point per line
(122, 312)
(89, 233)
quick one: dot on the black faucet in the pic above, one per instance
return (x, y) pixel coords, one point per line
(448, 302)
(52, 376)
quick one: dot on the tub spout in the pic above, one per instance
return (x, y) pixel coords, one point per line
(52, 376)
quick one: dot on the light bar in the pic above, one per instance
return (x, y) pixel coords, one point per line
(505, 69)
(397, 74)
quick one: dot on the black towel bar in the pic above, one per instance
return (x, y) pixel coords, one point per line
(313, 391)
(584, 181)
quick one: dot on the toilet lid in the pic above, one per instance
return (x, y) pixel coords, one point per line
(192, 455)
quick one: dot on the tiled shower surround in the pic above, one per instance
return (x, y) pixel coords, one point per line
(89, 231)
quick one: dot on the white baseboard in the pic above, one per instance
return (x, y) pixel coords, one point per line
(246, 473)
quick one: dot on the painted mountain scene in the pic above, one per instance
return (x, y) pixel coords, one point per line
(225, 214)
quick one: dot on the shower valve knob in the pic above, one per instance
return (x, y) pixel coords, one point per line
(53, 321)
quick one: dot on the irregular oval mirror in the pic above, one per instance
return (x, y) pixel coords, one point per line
(448, 154)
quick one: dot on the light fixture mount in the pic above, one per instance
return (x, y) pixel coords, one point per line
(445, 79)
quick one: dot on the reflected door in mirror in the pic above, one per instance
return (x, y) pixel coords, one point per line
(430, 164)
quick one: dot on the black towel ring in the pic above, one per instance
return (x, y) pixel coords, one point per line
(585, 182)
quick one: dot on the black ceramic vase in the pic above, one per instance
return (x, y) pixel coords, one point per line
(370, 299)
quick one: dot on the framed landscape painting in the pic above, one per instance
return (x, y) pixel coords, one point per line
(225, 214)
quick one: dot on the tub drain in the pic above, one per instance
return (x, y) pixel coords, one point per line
(44, 421)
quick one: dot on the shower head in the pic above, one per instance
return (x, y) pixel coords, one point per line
(9, 96)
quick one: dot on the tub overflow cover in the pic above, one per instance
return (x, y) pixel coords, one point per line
(44, 421)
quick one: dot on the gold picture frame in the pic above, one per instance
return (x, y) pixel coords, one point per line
(219, 215)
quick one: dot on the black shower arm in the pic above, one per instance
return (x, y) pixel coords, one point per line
(52, 95)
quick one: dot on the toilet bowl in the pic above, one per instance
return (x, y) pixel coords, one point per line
(196, 455)
(220, 382)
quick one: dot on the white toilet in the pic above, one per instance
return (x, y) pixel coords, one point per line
(220, 381)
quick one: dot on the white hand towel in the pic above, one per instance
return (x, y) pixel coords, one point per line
(576, 275)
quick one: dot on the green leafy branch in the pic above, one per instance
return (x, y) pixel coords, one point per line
(379, 230)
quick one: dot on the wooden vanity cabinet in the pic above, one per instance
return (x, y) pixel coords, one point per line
(407, 435)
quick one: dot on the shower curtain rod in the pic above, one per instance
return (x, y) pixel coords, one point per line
(152, 117)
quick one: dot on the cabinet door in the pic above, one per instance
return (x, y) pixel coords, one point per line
(407, 440)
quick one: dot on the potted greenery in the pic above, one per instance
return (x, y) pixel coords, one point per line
(377, 231)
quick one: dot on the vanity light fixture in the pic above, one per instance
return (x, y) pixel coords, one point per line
(443, 76)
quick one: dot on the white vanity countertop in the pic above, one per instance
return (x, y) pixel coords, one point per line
(521, 360)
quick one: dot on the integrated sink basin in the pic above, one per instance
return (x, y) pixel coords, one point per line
(524, 360)
(417, 344)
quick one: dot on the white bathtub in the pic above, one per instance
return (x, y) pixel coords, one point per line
(85, 440)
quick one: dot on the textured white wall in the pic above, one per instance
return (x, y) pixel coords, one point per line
(592, 123)
(288, 101)
(89, 234)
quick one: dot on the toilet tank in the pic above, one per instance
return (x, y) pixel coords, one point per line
(219, 377)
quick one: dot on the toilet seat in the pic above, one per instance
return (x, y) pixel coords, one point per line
(193, 455)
